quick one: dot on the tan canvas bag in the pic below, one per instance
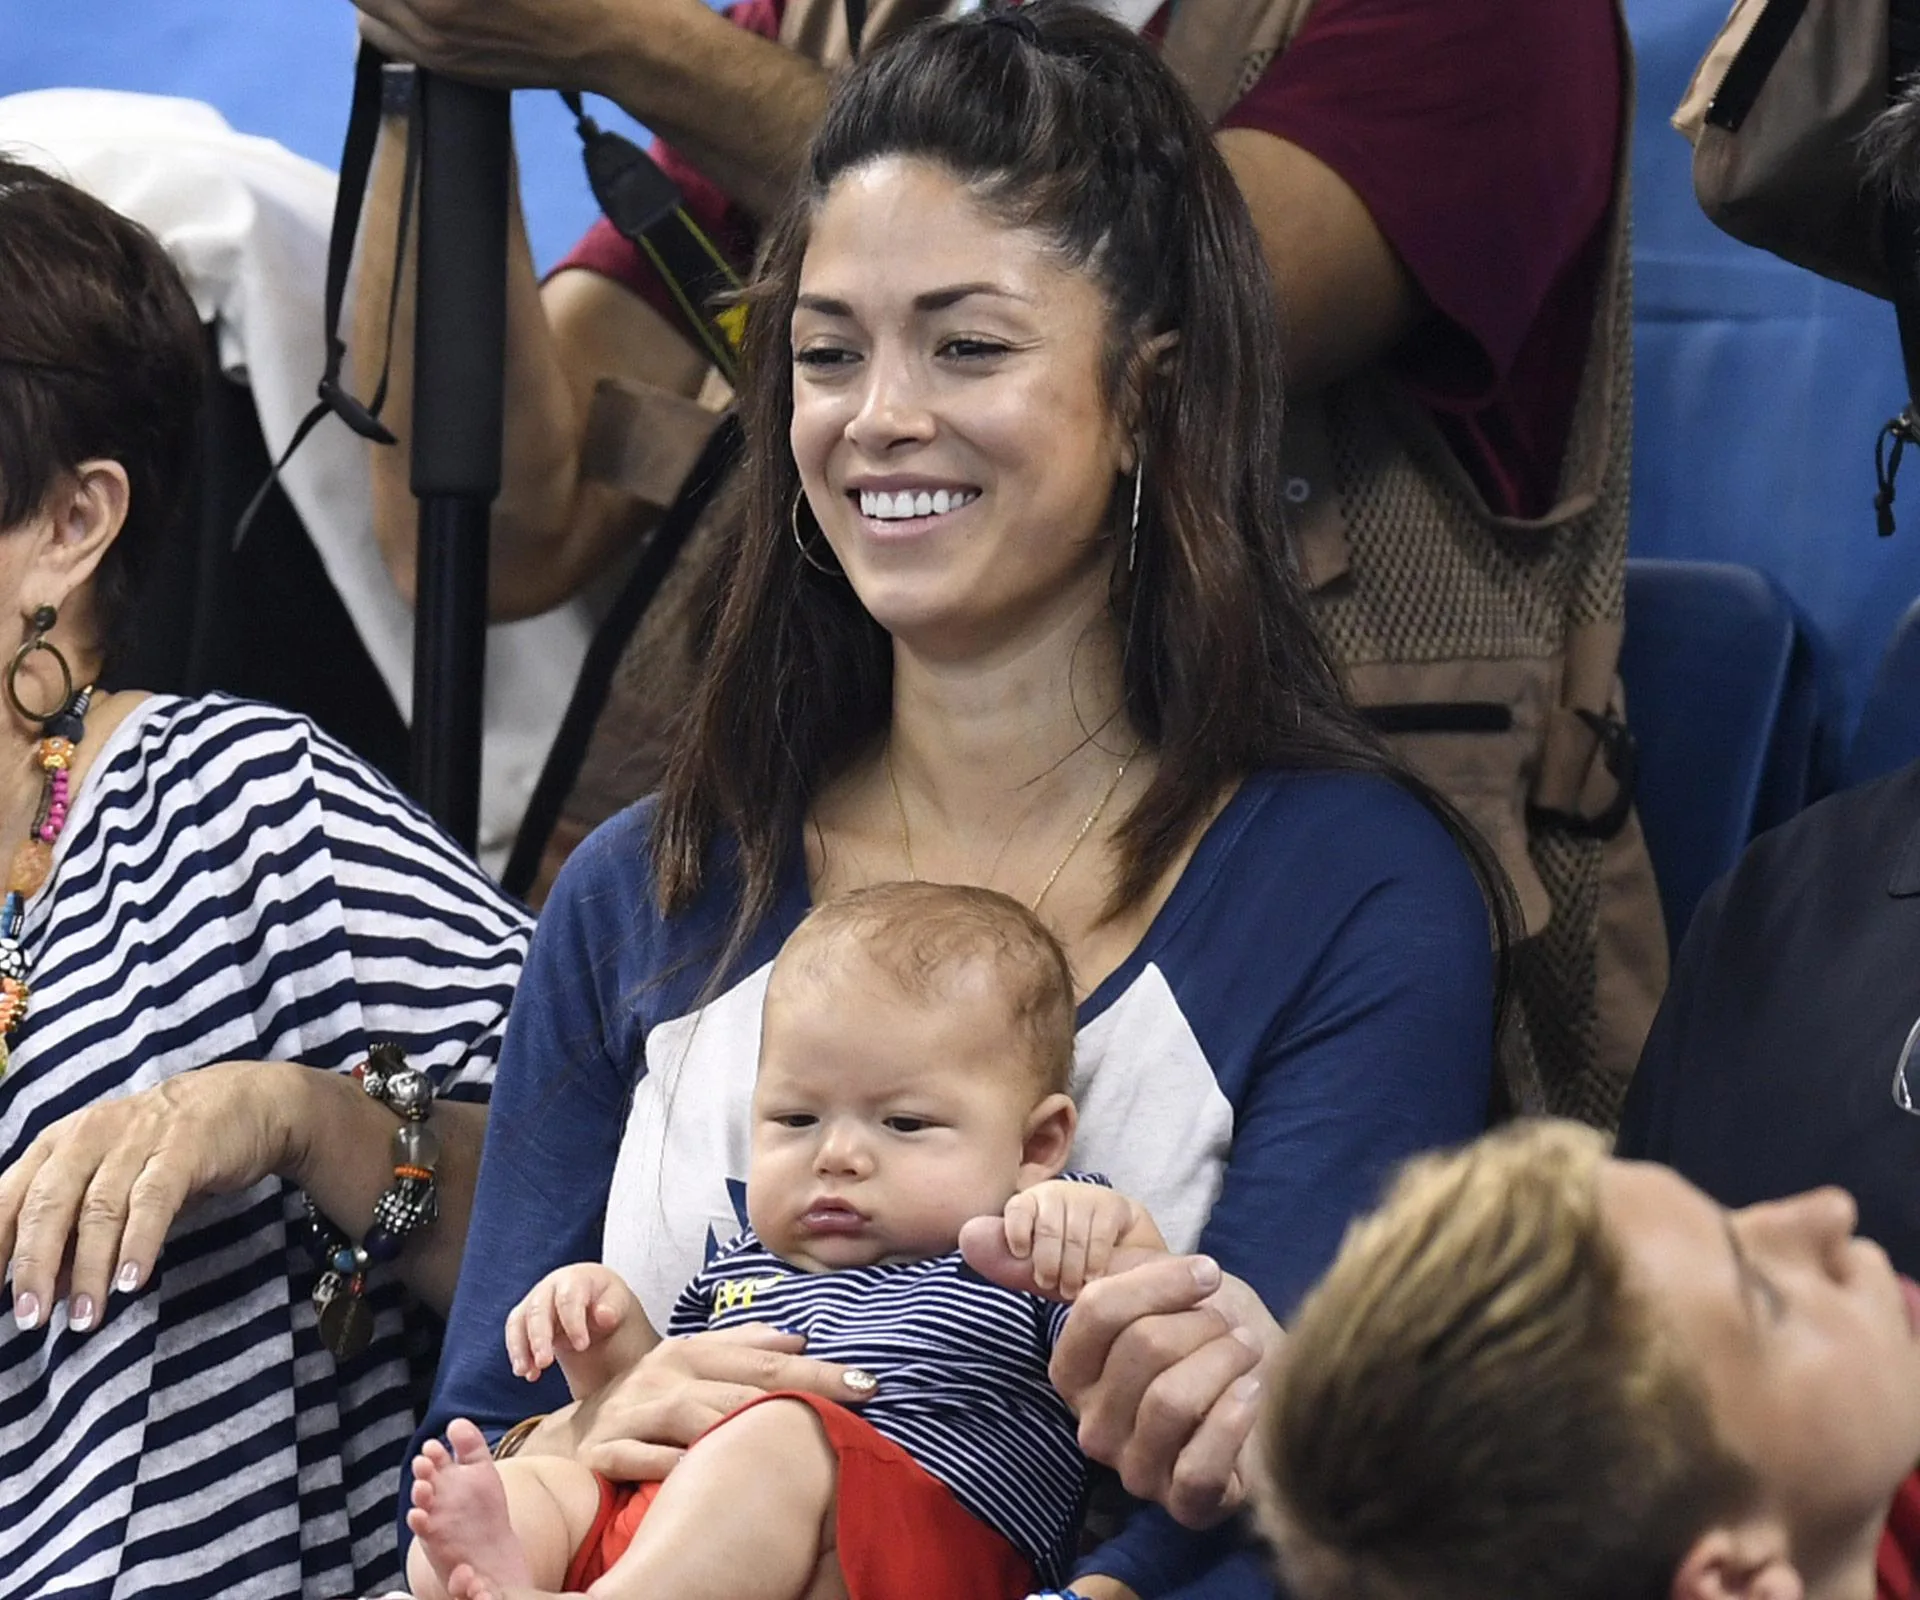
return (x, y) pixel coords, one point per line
(1775, 112)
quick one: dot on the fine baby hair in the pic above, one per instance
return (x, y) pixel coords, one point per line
(925, 936)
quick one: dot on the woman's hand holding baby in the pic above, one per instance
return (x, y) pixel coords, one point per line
(638, 1426)
(1163, 1359)
(1068, 1232)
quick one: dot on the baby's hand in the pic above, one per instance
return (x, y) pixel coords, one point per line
(584, 1304)
(1069, 1231)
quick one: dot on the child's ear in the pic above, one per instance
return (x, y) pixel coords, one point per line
(1750, 1560)
(1048, 1140)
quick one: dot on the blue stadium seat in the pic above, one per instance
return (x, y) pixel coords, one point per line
(1722, 695)
(1888, 736)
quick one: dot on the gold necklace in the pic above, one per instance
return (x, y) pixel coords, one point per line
(1060, 866)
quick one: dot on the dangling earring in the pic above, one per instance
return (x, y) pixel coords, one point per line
(1133, 525)
(44, 618)
(806, 555)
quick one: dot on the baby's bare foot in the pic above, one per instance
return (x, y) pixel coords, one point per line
(459, 1516)
(463, 1583)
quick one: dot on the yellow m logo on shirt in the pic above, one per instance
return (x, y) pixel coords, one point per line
(737, 1293)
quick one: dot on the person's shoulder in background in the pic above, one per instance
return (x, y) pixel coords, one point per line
(1771, 1064)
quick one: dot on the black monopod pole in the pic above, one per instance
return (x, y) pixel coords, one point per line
(459, 359)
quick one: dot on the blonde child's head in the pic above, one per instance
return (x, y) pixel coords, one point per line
(1539, 1372)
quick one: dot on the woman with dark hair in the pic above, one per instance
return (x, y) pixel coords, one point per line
(211, 913)
(1012, 607)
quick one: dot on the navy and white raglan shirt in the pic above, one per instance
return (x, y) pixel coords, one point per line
(231, 884)
(962, 1365)
(1312, 1003)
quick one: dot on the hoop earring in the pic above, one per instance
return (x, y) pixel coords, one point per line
(44, 618)
(1133, 525)
(800, 543)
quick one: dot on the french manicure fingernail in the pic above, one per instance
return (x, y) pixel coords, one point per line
(1247, 1390)
(860, 1382)
(1250, 1339)
(26, 1311)
(1206, 1272)
(80, 1313)
(127, 1279)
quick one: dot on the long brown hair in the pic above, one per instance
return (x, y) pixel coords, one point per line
(1060, 121)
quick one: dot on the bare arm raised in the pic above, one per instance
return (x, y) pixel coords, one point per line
(1345, 297)
(740, 107)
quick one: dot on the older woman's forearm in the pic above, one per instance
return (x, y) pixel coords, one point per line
(340, 1151)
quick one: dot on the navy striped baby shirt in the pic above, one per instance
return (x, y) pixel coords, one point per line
(962, 1365)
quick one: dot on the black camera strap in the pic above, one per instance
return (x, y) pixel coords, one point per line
(374, 85)
(646, 208)
(594, 687)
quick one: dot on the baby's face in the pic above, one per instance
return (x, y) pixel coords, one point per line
(881, 1123)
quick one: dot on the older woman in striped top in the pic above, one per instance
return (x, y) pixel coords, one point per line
(212, 912)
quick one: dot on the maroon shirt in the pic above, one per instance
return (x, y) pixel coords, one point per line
(1482, 136)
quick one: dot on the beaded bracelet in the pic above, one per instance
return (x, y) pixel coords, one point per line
(406, 1205)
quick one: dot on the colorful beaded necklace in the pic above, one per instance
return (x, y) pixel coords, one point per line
(60, 735)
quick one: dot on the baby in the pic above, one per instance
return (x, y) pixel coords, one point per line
(914, 1055)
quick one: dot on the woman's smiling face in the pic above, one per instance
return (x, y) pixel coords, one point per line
(951, 420)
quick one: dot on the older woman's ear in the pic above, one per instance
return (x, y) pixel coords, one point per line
(82, 516)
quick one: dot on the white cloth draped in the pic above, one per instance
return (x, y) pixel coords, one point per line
(247, 222)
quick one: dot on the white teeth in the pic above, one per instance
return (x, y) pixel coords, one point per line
(884, 507)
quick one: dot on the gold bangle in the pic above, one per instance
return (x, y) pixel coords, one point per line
(516, 1436)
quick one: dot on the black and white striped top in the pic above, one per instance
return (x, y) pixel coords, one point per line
(231, 884)
(962, 1365)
